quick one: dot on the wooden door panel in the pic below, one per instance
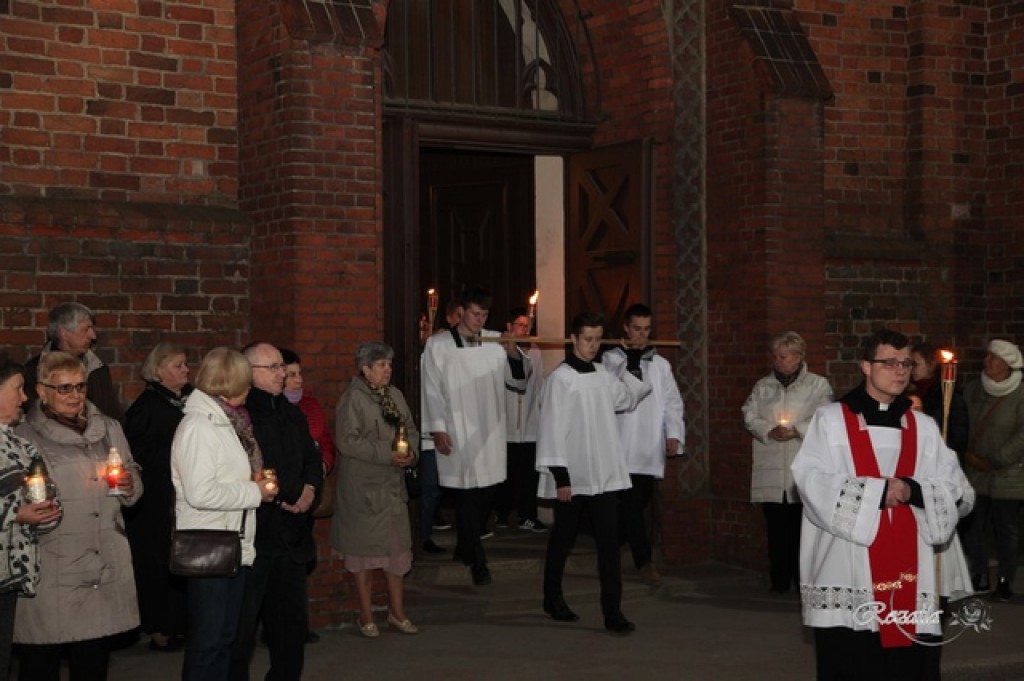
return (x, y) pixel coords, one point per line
(608, 231)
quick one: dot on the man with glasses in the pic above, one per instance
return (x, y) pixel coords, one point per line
(879, 488)
(275, 588)
(71, 329)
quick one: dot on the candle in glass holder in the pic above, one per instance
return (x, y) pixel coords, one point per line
(784, 422)
(115, 467)
(271, 475)
(38, 484)
(35, 488)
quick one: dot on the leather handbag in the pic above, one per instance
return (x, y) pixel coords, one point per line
(206, 553)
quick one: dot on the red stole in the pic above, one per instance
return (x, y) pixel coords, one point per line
(893, 554)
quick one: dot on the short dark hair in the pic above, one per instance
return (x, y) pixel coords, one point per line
(478, 297)
(515, 313)
(926, 349)
(636, 310)
(883, 336)
(289, 356)
(8, 367)
(592, 319)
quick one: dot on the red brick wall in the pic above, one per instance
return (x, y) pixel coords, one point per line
(132, 102)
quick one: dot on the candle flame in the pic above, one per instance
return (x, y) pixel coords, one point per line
(430, 291)
(947, 356)
(534, 297)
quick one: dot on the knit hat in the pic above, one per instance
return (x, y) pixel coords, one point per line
(1008, 352)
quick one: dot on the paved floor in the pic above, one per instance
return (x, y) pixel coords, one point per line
(709, 622)
(706, 623)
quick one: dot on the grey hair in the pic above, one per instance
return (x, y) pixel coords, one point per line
(157, 356)
(792, 340)
(368, 353)
(66, 316)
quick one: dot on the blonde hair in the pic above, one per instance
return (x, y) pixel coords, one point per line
(792, 340)
(52, 362)
(224, 373)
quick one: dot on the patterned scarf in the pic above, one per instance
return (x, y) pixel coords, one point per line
(78, 423)
(387, 404)
(242, 423)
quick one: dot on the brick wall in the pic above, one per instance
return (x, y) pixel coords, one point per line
(128, 102)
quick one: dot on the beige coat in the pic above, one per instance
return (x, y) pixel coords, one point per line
(86, 588)
(370, 498)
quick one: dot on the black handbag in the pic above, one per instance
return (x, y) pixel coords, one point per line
(206, 553)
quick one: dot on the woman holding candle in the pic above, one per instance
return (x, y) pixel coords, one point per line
(149, 426)
(21, 520)
(217, 472)
(86, 592)
(777, 414)
(371, 526)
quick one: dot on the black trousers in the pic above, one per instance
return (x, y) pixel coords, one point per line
(275, 593)
(472, 506)
(603, 510)
(8, 606)
(87, 660)
(633, 505)
(843, 654)
(519, 491)
(782, 524)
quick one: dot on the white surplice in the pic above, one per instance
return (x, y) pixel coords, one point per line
(578, 430)
(464, 391)
(644, 430)
(842, 514)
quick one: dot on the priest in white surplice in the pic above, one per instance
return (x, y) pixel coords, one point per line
(464, 387)
(879, 489)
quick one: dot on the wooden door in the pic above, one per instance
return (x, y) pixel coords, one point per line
(477, 227)
(608, 253)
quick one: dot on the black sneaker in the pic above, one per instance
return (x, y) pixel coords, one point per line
(441, 525)
(1003, 592)
(430, 547)
(486, 533)
(533, 525)
(481, 575)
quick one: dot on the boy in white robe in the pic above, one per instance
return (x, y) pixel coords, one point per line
(879, 488)
(582, 467)
(649, 434)
(464, 387)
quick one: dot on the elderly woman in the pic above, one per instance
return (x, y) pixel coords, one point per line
(371, 526)
(149, 425)
(777, 414)
(994, 463)
(86, 591)
(21, 521)
(216, 469)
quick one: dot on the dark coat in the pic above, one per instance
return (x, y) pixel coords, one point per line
(283, 435)
(149, 426)
(959, 423)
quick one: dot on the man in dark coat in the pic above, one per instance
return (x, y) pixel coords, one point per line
(275, 588)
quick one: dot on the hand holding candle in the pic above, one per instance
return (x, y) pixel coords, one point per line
(270, 475)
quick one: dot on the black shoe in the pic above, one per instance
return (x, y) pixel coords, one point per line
(312, 637)
(481, 575)
(486, 533)
(1003, 592)
(981, 583)
(441, 524)
(560, 612)
(430, 547)
(618, 624)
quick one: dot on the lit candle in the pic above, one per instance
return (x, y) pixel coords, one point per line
(532, 313)
(949, 365)
(271, 475)
(35, 488)
(784, 422)
(948, 384)
(115, 467)
(432, 300)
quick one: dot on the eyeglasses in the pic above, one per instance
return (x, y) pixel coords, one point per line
(892, 363)
(67, 388)
(272, 367)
